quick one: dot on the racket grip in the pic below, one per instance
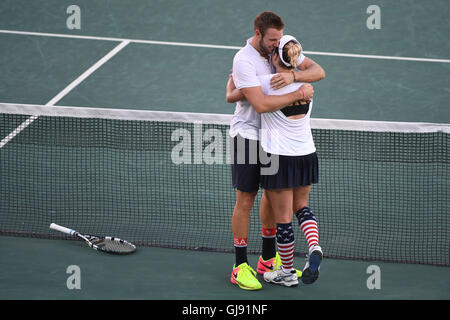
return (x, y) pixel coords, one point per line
(62, 229)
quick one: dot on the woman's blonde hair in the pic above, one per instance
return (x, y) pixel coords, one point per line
(291, 53)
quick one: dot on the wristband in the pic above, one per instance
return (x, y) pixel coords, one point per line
(293, 74)
(301, 89)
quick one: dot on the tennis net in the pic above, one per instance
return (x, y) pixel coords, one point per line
(163, 179)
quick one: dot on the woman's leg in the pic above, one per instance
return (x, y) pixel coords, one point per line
(301, 197)
(306, 218)
(308, 224)
(281, 201)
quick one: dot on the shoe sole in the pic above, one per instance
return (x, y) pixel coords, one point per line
(283, 283)
(261, 272)
(244, 287)
(311, 274)
(286, 284)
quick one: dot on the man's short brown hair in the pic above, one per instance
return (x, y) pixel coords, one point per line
(266, 20)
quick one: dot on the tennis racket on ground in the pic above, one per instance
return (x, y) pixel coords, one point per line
(105, 244)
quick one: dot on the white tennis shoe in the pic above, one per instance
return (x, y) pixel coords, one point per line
(281, 277)
(312, 266)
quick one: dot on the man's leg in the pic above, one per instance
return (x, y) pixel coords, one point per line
(245, 177)
(240, 223)
(242, 274)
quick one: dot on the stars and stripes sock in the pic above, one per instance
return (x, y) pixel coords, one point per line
(308, 225)
(240, 250)
(268, 243)
(311, 232)
(286, 244)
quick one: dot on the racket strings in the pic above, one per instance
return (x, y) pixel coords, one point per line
(118, 246)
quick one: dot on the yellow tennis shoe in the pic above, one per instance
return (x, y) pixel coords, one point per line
(273, 264)
(245, 277)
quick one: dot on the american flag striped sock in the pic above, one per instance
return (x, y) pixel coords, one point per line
(311, 232)
(286, 251)
(286, 245)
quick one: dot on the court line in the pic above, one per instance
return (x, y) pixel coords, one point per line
(213, 46)
(65, 91)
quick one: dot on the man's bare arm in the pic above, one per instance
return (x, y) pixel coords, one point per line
(263, 103)
(233, 94)
(309, 71)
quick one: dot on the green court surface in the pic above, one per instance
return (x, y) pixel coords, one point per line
(177, 58)
(37, 269)
(180, 78)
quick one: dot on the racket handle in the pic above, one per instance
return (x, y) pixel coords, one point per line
(62, 229)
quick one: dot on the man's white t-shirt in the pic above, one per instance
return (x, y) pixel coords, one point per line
(280, 134)
(248, 64)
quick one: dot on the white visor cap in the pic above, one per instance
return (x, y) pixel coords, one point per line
(285, 39)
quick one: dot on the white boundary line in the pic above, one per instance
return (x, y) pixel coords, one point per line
(65, 91)
(208, 118)
(199, 45)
